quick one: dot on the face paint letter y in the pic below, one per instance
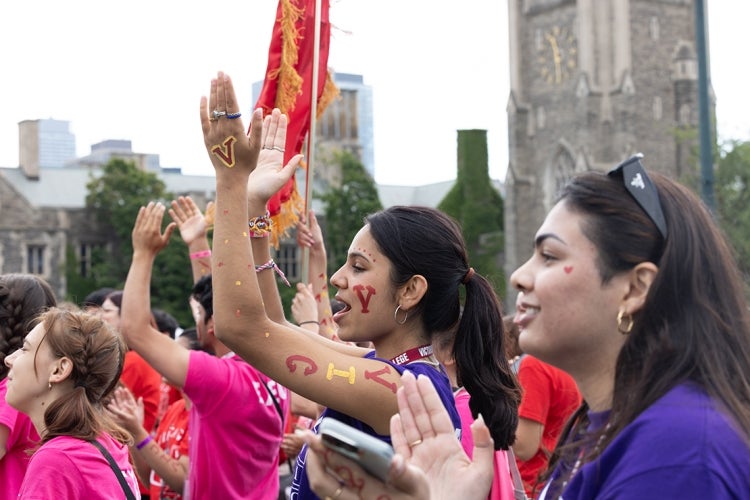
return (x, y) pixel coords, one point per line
(364, 299)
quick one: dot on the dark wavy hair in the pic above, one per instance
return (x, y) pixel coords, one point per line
(425, 241)
(22, 298)
(97, 353)
(203, 292)
(694, 325)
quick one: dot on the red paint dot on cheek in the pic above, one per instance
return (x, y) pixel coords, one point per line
(568, 269)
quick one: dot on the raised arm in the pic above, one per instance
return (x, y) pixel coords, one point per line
(161, 352)
(310, 236)
(306, 364)
(266, 268)
(194, 232)
(305, 308)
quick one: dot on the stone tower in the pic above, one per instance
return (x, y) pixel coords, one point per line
(592, 82)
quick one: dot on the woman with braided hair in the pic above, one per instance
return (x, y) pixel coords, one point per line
(22, 298)
(67, 368)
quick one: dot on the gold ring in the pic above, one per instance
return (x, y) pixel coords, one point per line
(415, 443)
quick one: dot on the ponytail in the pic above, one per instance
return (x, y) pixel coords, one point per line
(481, 364)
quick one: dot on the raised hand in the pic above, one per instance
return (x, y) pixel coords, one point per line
(310, 235)
(305, 307)
(233, 153)
(147, 235)
(126, 411)
(271, 174)
(189, 219)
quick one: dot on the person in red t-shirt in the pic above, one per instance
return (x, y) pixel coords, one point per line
(163, 458)
(137, 375)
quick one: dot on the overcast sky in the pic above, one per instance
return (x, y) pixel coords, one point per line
(136, 70)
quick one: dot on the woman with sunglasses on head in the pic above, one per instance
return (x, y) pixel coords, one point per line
(633, 290)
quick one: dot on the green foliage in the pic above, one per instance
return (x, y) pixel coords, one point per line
(478, 207)
(732, 183)
(77, 286)
(287, 293)
(114, 200)
(346, 207)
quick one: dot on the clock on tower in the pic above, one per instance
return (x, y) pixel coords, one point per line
(557, 54)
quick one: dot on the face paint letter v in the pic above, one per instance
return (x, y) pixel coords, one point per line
(227, 158)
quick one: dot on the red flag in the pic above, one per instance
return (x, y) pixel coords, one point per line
(287, 86)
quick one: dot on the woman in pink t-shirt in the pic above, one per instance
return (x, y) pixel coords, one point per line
(67, 366)
(22, 298)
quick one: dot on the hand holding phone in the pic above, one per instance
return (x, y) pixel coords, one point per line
(369, 452)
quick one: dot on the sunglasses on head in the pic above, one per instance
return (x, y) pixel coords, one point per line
(642, 189)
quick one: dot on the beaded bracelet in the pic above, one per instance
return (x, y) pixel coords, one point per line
(260, 226)
(272, 265)
(145, 441)
(200, 255)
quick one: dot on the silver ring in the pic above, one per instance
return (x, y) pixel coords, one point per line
(216, 114)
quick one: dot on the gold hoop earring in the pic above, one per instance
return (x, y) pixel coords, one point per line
(395, 315)
(629, 325)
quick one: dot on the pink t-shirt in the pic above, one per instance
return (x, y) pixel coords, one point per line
(502, 482)
(235, 429)
(66, 467)
(22, 437)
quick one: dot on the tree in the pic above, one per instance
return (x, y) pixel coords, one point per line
(478, 207)
(114, 200)
(346, 207)
(732, 186)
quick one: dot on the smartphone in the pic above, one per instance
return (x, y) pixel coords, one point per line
(369, 452)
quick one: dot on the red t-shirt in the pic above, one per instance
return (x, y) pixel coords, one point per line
(172, 437)
(550, 396)
(144, 382)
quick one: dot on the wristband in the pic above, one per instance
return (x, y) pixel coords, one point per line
(200, 255)
(143, 443)
(308, 321)
(260, 226)
(272, 265)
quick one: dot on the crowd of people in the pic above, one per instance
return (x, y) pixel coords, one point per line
(624, 371)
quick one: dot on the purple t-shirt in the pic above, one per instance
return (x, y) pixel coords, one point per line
(300, 483)
(235, 429)
(22, 436)
(66, 467)
(682, 446)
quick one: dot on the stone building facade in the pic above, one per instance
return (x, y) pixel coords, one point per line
(592, 82)
(43, 214)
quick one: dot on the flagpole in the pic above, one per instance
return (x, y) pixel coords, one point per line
(311, 134)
